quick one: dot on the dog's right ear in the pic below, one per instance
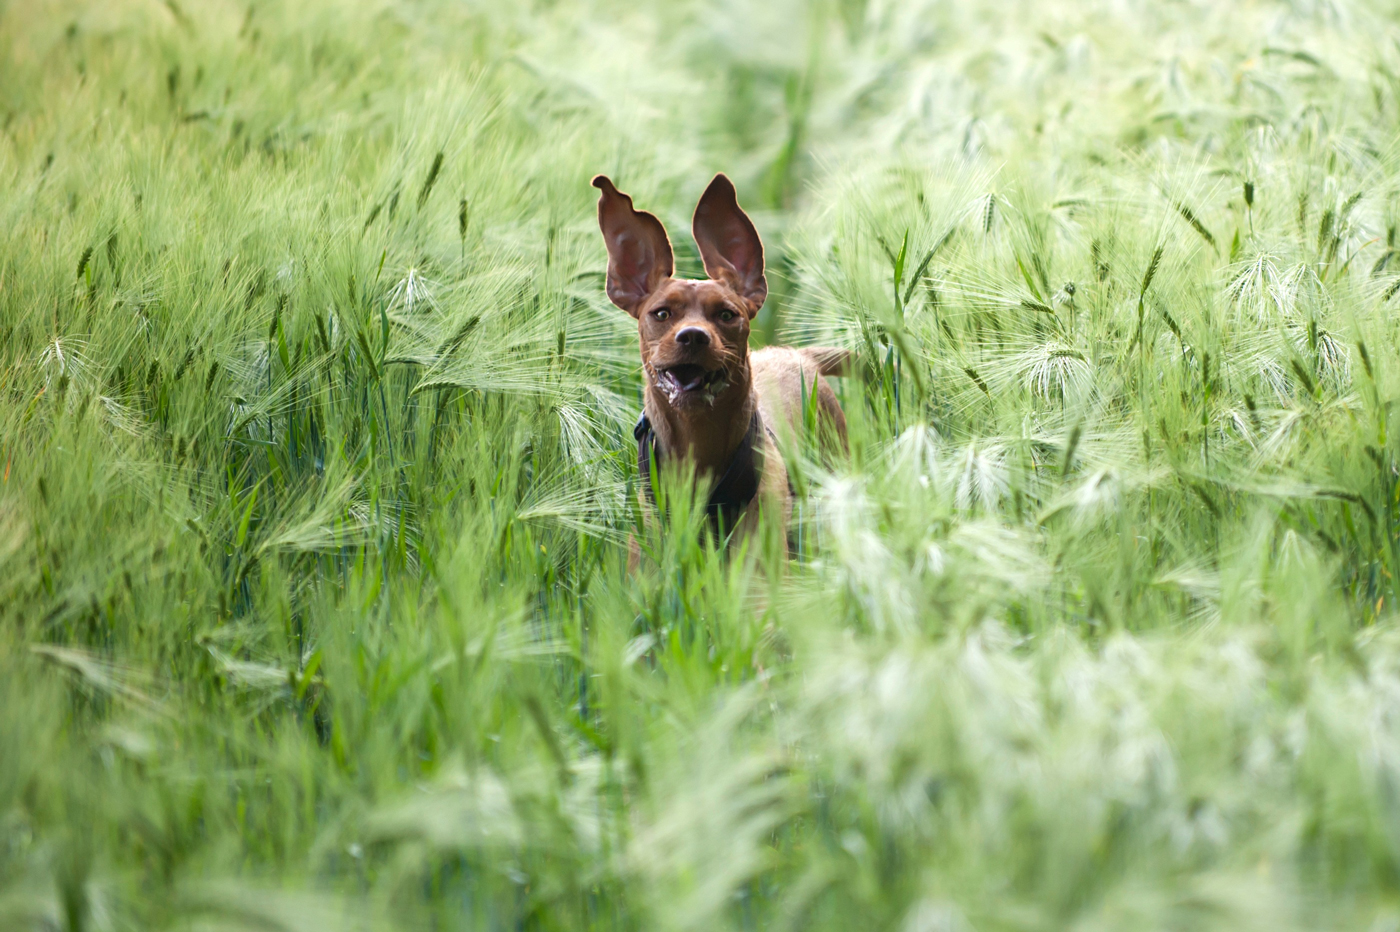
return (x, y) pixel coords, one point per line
(729, 243)
(639, 254)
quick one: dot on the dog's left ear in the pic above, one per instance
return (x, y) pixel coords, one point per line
(639, 254)
(729, 244)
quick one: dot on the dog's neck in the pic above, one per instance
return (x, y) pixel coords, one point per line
(707, 435)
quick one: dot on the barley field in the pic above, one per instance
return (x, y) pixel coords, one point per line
(317, 473)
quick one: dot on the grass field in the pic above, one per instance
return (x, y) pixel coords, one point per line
(315, 436)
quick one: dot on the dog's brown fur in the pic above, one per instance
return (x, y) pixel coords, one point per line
(692, 327)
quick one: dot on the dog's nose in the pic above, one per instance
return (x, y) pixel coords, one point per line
(692, 336)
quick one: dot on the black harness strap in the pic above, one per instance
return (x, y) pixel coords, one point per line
(735, 489)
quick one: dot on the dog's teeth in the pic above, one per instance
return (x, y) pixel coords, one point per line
(706, 385)
(670, 387)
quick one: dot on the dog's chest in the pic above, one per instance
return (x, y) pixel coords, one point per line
(737, 486)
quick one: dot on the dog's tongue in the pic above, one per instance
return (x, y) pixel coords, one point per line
(685, 378)
(691, 379)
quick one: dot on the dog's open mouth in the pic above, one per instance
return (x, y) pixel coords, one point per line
(689, 381)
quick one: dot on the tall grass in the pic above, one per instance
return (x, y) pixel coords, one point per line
(318, 475)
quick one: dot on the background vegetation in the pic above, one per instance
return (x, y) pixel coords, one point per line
(317, 470)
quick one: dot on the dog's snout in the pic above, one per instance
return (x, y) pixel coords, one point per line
(692, 336)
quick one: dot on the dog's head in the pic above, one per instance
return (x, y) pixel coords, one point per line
(694, 334)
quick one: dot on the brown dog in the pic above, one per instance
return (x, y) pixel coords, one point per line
(708, 399)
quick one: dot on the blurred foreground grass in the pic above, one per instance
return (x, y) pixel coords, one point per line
(317, 470)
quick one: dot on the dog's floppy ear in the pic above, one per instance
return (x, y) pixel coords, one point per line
(639, 254)
(729, 244)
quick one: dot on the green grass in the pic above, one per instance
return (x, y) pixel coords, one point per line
(318, 473)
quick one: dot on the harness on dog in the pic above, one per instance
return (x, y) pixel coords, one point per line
(736, 487)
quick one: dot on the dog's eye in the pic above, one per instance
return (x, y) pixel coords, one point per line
(726, 315)
(661, 313)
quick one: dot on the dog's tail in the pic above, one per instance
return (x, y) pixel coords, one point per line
(830, 360)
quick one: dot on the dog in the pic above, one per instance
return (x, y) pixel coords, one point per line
(709, 401)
